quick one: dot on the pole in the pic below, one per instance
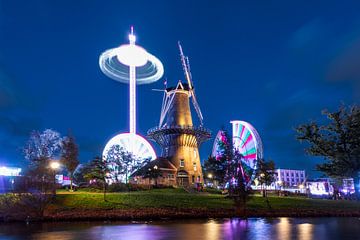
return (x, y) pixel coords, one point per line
(132, 101)
(132, 88)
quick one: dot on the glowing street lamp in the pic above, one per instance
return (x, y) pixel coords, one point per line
(210, 175)
(54, 165)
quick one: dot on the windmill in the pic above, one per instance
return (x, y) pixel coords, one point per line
(169, 95)
(178, 137)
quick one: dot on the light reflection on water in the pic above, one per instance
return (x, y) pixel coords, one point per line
(253, 228)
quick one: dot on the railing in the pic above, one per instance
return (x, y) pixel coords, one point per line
(181, 127)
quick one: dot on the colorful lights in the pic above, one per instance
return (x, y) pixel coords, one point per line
(247, 142)
(9, 171)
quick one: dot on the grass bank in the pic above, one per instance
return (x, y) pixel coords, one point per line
(176, 203)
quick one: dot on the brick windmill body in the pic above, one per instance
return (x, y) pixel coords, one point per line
(176, 134)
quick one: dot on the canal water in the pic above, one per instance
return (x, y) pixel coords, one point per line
(253, 228)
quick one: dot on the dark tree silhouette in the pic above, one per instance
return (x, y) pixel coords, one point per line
(217, 165)
(97, 170)
(217, 169)
(69, 156)
(265, 174)
(338, 142)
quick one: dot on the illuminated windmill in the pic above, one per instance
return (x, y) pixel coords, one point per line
(131, 64)
(177, 136)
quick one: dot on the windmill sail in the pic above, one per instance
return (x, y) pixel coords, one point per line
(186, 67)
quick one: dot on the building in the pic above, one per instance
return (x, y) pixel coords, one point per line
(9, 176)
(166, 177)
(178, 137)
(320, 187)
(290, 177)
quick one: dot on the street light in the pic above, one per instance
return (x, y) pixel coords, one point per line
(54, 165)
(210, 175)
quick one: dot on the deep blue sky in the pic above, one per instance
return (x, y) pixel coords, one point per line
(275, 65)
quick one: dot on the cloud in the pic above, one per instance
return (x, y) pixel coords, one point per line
(8, 95)
(18, 125)
(279, 135)
(345, 67)
(308, 34)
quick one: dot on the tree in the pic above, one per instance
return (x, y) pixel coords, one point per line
(97, 170)
(214, 169)
(338, 142)
(229, 164)
(236, 180)
(79, 173)
(122, 162)
(265, 174)
(39, 150)
(69, 156)
(217, 165)
(153, 172)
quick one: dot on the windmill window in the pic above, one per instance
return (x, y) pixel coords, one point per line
(182, 163)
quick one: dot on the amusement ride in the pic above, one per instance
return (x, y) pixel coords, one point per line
(245, 140)
(131, 64)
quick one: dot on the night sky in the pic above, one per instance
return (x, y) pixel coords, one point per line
(275, 65)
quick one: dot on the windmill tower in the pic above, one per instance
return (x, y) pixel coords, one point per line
(179, 138)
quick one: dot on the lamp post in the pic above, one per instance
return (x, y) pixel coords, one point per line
(301, 187)
(279, 183)
(156, 173)
(54, 166)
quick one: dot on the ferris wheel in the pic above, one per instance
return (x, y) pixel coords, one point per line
(247, 142)
(134, 143)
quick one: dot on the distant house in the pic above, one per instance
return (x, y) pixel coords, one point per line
(165, 173)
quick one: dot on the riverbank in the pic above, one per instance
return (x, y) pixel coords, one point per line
(178, 204)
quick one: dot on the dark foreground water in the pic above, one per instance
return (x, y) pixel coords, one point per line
(253, 228)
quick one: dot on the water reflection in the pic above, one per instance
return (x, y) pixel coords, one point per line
(283, 229)
(253, 228)
(305, 231)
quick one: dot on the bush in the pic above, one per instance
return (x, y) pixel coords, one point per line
(117, 187)
(213, 190)
(26, 206)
